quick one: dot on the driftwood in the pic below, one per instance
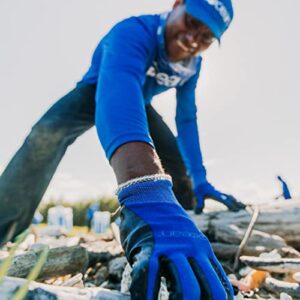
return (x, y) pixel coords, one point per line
(226, 251)
(229, 237)
(233, 235)
(274, 265)
(276, 286)
(61, 261)
(277, 225)
(73, 281)
(62, 293)
(102, 251)
(280, 218)
(245, 239)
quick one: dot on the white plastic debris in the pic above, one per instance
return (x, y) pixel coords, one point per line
(100, 221)
(284, 296)
(126, 281)
(60, 216)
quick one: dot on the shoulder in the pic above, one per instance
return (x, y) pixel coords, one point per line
(146, 23)
(135, 30)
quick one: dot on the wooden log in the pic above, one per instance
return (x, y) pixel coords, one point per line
(61, 261)
(73, 281)
(272, 265)
(279, 218)
(225, 251)
(276, 286)
(62, 293)
(102, 251)
(231, 234)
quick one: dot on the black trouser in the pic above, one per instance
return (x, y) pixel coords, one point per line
(168, 151)
(27, 176)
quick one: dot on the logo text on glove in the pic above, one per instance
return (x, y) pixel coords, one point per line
(182, 234)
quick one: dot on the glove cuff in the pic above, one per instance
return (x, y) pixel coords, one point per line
(154, 188)
(154, 177)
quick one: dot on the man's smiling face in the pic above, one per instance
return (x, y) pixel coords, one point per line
(185, 36)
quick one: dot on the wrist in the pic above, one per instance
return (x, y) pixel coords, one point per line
(201, 185)
(147, 189)
(199, 180)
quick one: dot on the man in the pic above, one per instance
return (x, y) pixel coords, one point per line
(138, 59)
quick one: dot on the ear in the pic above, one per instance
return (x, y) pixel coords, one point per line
(177, 3)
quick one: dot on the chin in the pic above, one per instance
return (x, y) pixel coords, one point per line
(179, 57)
(176, 55)
(174, 58)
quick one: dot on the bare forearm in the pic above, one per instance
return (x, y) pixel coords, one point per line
(135, 159)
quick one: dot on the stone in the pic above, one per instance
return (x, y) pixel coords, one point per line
(101, 275)
(116, 267)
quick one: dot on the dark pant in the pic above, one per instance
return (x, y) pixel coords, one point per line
(27, 176)
(168, 151)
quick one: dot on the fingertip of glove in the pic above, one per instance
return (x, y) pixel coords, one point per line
(145, 278)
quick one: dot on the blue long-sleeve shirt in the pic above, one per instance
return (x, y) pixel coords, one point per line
(130, 67)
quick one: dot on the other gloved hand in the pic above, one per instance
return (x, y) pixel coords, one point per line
(206, 190)
(160, 239)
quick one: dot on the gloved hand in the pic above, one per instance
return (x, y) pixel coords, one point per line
(160, 239)
(206, 190)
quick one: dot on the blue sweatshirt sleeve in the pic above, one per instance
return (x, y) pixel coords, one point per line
(120, 109)
(188, 136)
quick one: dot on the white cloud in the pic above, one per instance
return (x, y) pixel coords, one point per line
(65, 186)
(252, 192)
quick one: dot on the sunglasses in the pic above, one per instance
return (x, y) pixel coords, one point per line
(202, 33)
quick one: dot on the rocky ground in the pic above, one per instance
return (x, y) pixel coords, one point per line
(82, 265)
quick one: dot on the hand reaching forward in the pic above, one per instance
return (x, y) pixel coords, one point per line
(206, 190)
(160, 239)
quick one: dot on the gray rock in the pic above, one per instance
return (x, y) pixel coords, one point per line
(101, 275)
(111, 286)
(116, 268)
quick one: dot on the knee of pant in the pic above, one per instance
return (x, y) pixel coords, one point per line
(45, 136)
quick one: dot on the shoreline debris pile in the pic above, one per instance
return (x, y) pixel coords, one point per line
(88, 266)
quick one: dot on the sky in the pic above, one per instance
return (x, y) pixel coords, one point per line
(248, 94)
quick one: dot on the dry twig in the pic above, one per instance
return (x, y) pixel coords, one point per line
(246, 238)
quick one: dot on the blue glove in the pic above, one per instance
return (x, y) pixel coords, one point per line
(206, 190)
(160, 239)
